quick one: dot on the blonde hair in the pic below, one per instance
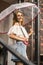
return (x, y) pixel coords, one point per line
(15, 17)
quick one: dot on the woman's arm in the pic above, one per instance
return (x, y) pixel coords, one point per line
(14, 36)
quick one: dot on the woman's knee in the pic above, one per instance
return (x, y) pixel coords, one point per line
(19, 63)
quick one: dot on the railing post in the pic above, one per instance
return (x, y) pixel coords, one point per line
(4, 56)
(37, 41)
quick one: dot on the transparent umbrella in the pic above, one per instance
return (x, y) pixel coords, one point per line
(29, 10)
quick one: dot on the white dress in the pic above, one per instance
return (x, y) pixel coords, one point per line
(19, 45)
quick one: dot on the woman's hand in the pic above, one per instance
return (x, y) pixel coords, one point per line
(31, 31)
(25, 39)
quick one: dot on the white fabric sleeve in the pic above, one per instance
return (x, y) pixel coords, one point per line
(12, 30)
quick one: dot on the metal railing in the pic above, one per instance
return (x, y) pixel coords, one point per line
(14, 52)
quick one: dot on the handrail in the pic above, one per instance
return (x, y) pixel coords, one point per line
(14, 52)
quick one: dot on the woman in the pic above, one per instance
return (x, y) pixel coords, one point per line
(18, 33)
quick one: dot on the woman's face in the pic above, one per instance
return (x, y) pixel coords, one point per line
(19, 16)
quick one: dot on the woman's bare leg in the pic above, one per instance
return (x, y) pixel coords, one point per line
(19, 63)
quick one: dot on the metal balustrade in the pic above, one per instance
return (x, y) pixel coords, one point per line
(14, 52)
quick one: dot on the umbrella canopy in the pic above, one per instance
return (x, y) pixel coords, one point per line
(29, 10)
(24, 5)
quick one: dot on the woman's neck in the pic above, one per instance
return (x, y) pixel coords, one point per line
(17, 23)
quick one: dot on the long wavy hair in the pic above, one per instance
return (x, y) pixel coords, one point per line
(15, 17)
